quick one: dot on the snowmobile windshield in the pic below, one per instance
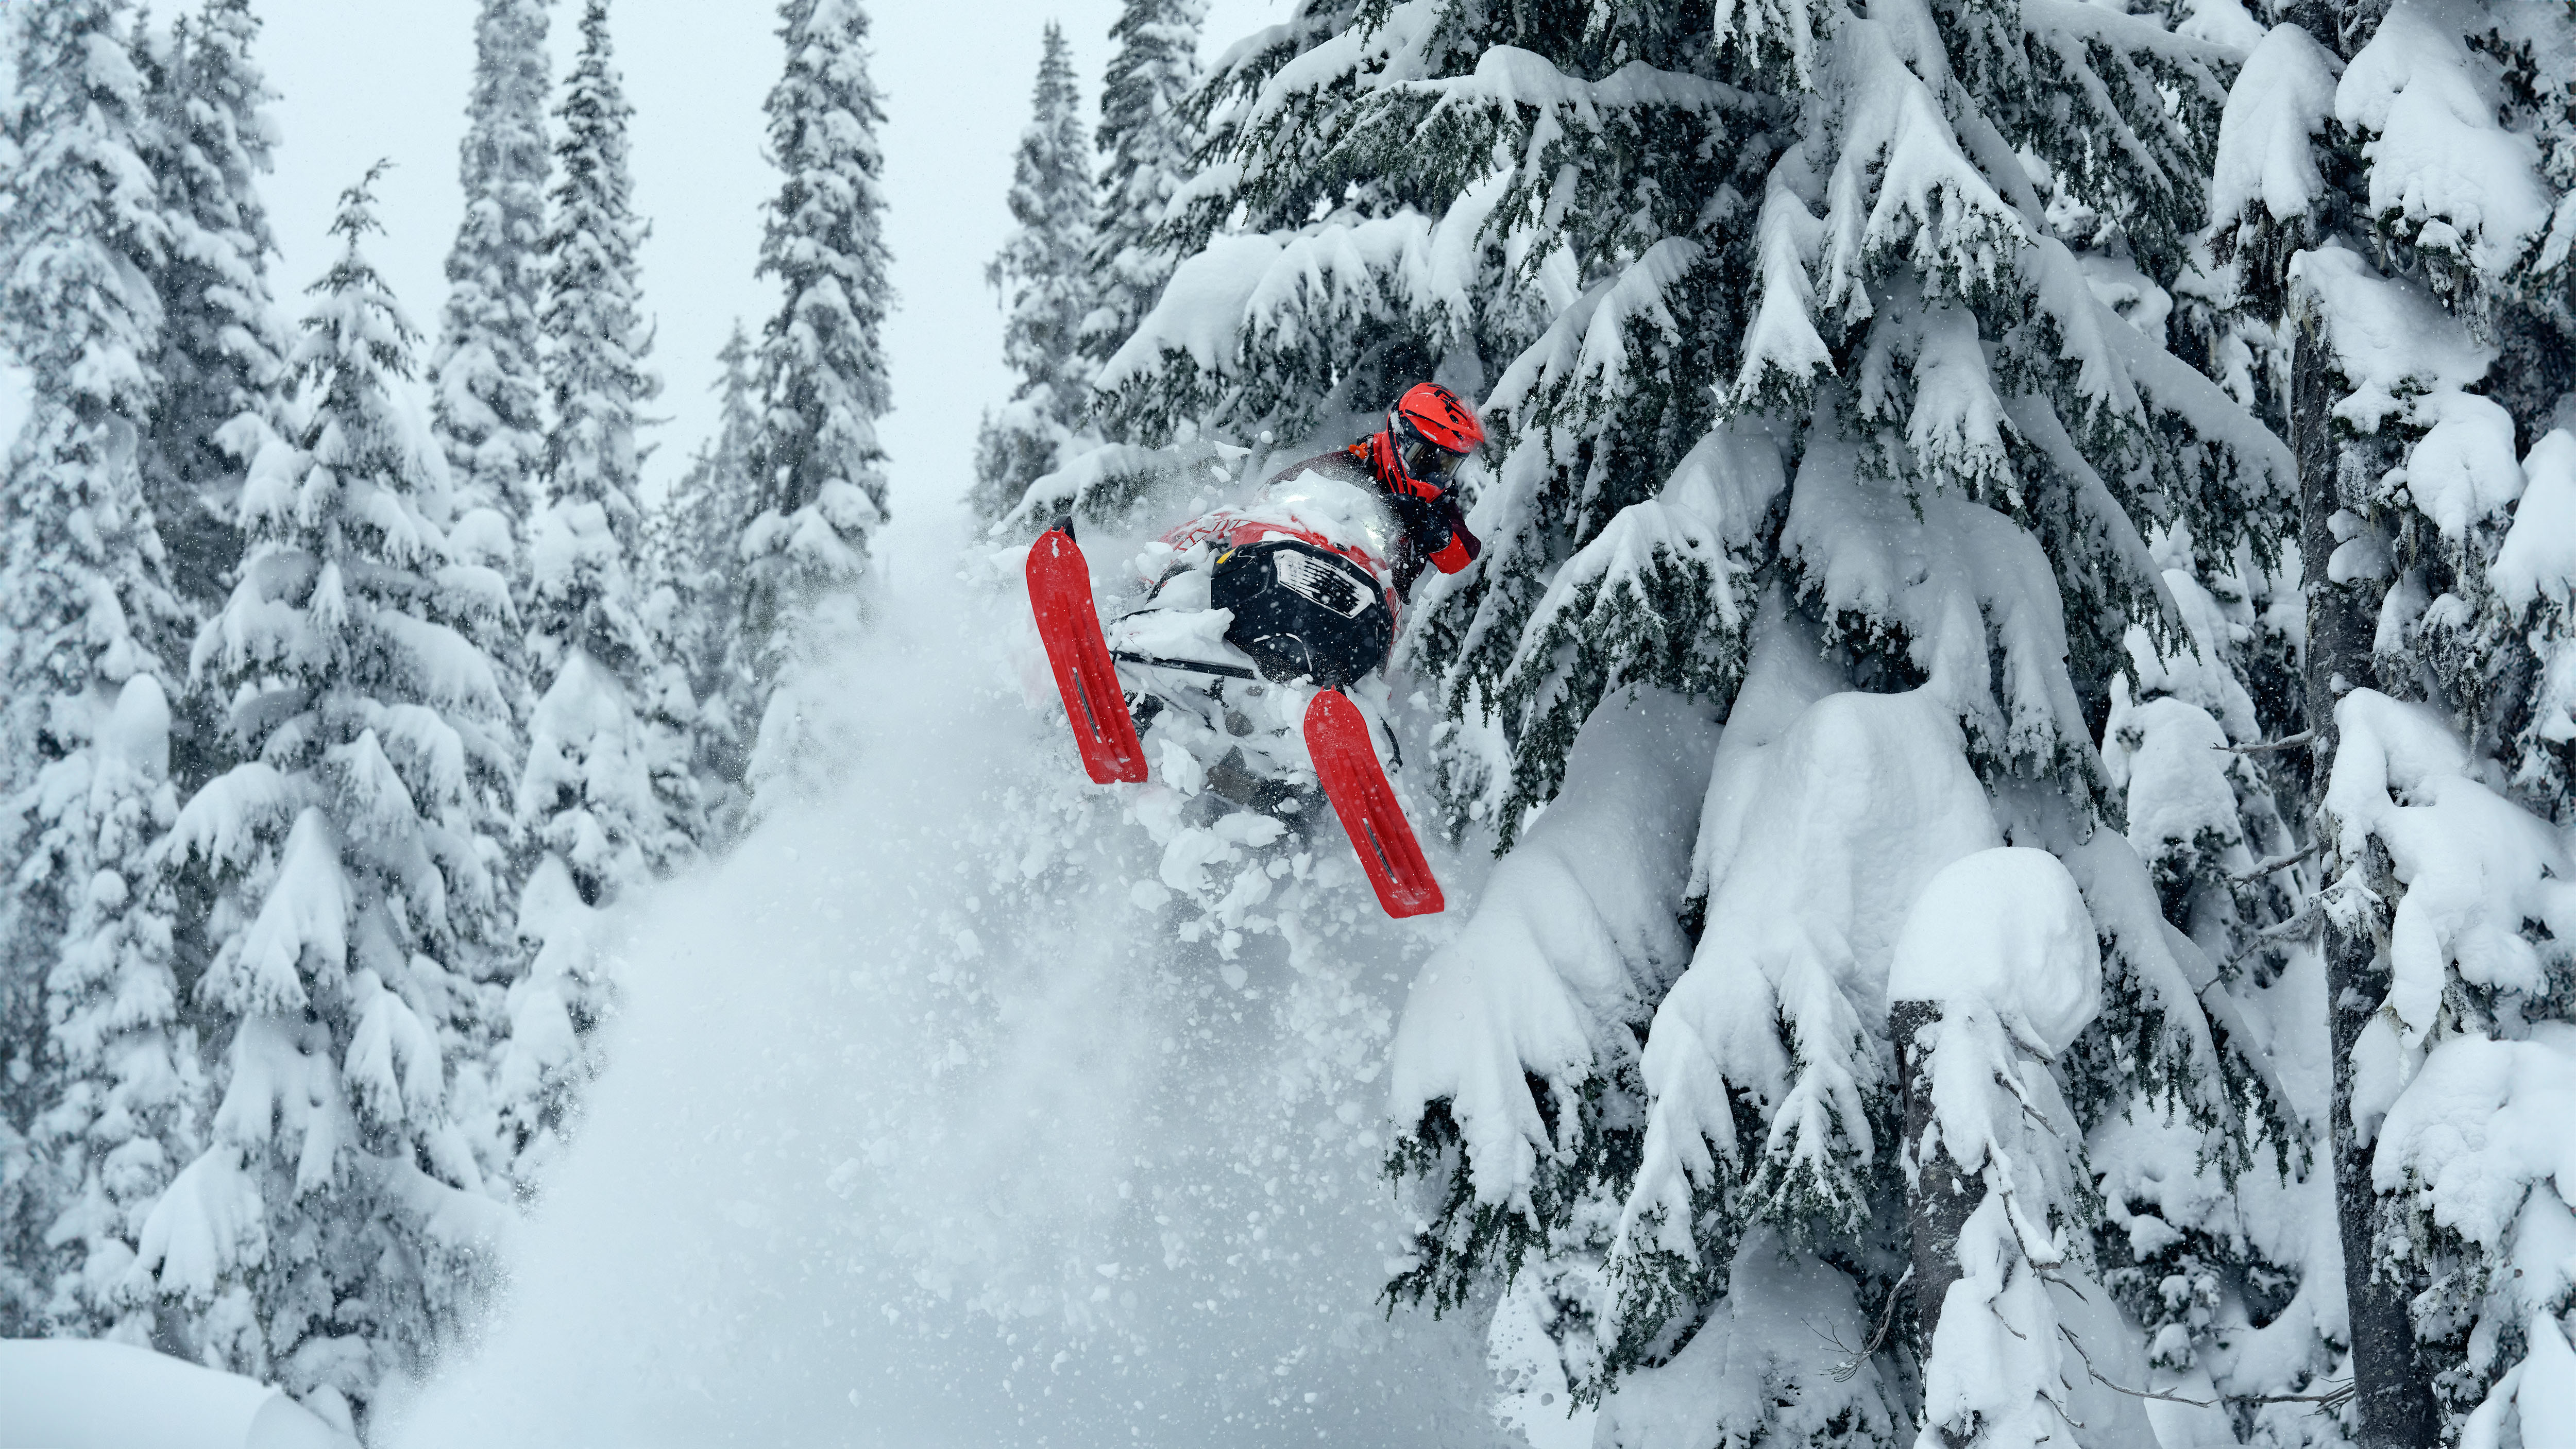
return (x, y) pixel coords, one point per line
(1350, 516)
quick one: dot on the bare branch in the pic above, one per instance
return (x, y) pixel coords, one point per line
(2330, 1400)
(1843, 1371)
(2262, 747)
(2261, 869)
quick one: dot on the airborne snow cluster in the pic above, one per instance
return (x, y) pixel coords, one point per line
(2007, 773)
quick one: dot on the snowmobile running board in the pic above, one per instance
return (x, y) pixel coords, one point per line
(1194, 666)
(1337, 735)
(1069, 625)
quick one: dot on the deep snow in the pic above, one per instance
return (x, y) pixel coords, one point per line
(64, 1393)
(901, 1144)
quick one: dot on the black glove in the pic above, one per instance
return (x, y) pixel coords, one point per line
(1438, 530)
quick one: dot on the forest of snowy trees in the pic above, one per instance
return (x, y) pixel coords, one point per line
(354, 681)
(2021, 689)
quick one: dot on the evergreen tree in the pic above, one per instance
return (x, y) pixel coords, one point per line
(607, 795)
(1145, 142)
(97, 1101)
(1329, 270)
(226, 339)
(698, 599)
(1810, 410)
(327, 1236)
(1044, 275)
(128, 1097)
(2394, 186)
(485, 383)
(816, 462)
(1324, 274)
(487, 388)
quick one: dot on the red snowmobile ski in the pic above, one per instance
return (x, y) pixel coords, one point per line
(1346, 763)
(1060, 595)
(1301, 580)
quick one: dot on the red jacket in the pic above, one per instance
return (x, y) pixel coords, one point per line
(1435, 531)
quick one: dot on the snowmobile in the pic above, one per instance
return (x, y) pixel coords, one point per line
(1258, 644)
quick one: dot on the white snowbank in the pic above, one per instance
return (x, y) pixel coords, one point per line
(86, 1394)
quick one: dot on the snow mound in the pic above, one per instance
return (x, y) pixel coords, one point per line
(2006, 927)
(87, 1394)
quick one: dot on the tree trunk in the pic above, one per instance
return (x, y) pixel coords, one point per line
(1941, 1196)
(2392, 1393)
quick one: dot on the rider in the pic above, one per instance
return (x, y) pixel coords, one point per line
(1429, 432)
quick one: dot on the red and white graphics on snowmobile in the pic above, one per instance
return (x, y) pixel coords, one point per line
(1257, 647)
(1304, 573)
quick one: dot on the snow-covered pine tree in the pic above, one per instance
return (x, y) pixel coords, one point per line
(1384, 242)
(328, 1236)
(1146, 140)
(225, 339)
(1940, 251)
(1044, 275)
(1151, 117)
(1324, 267)
(691, 539)
(2231, 1266)
(608, 796)
(816, 461)
(2398, 187)
(486, 389)
(129, 1099)
(1832, 428)
(1313, 273)
(95, 1072)
(487, 385)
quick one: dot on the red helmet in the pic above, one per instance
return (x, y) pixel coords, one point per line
(1433, 432)
(1442, 419)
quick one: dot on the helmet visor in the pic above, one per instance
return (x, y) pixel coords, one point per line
(1426, 461)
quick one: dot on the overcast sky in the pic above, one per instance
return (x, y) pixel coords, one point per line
(363, 79)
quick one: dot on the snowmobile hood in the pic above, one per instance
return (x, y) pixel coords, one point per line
(1352, 521)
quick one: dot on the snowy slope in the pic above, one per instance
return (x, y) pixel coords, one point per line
(859, 1173)
(85, 1394)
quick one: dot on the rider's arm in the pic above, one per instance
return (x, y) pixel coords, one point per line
(1448, 544)
(1438, 530)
